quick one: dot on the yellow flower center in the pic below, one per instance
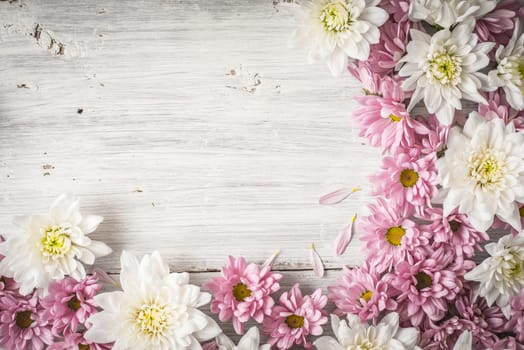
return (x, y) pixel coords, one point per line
(484, 168)
(241, 291)
(423, 280)
(73, 303)
(55, 241)
(521, 211)
(444, 68)
(335, 16)
(408, 177)
(83, 347)
(23, 319)
(395, 118)
(366, 344)
(520, 69)
(295, 321)
(153, 319)
(366, 295)
(394, 235)
(518, 269)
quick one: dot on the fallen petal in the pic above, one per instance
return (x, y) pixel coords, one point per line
(344, 237)
(337, 196)
(316, 261)
(271, 259)
(103, 276)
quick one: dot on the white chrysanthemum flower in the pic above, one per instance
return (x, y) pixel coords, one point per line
(336, 29)
(357, 335)
(464, 341)
(155, 309)
(482, 172)
(444, 68)
(501, 276)
(51, 246)
(446, 13)
(510, 69)
(250, 341)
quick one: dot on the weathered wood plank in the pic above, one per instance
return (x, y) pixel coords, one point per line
(202, 133)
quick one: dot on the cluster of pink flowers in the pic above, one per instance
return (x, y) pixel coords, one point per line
(416, 256)
(245, 291)
(55, 321)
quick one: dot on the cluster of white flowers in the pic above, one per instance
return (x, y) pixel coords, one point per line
(442, 63)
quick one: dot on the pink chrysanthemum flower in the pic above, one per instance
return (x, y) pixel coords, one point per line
(472, 314)
(398, 9)
(362, 292)
(24, 323)
(390, 235)
(8, 286)
(485, 321)
(434, 142)
(407, 177)
(243, 292)
(295, 318)
(497, 25)
(444, 335)
(70, 303)
(517, 317)
(498, 107)
(454, 232)
(383, 118)
(384, 55)
(76, 341)
(507, 343)
(425, 285)
(370, 80)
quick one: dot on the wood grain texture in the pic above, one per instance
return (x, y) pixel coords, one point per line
(193, 127)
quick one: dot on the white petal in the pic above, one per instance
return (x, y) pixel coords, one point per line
(224, 342)
(65, 208)
(464, 341)
(129, 278)
(250, 340)
(375, 15)
(90, 223)
(327, 343)
(109, 301)
(408, 336)
(99, 249)
(316, 262)
(211, 330)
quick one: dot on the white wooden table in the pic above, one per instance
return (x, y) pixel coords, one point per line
(193, 127)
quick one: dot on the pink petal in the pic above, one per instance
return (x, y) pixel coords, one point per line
(103, 276)
(337, 196)
(316, 261)
(271, 259)
(344, 237)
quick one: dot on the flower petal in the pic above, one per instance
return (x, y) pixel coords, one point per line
(316, 261)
